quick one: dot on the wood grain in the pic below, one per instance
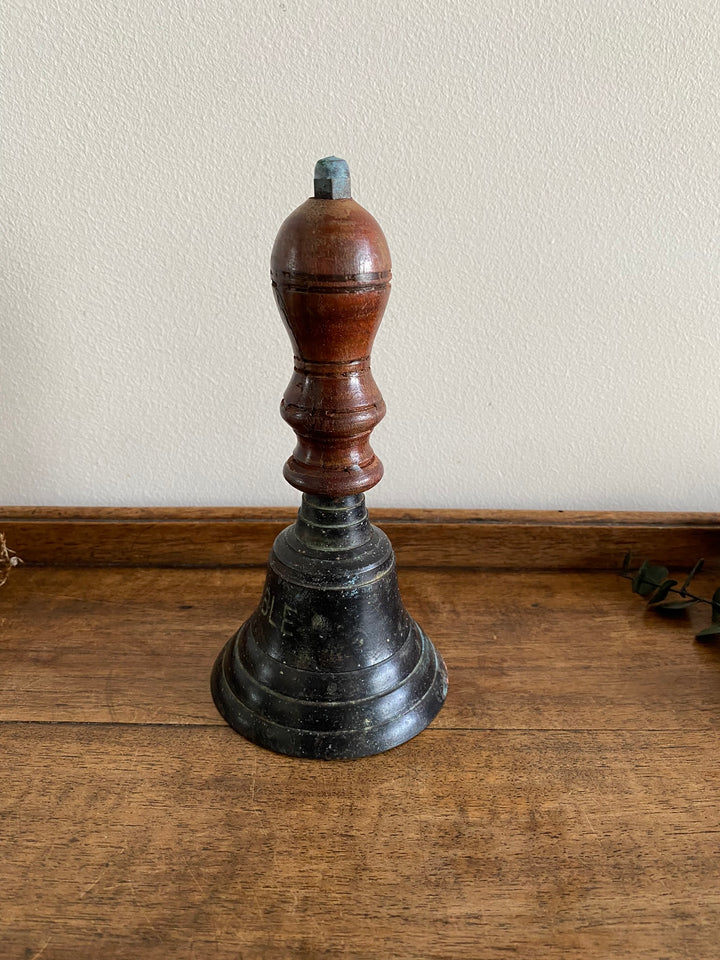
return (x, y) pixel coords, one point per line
(330, 269)
(564, 803)
(210, 537)
(524, 650)
(126, 842)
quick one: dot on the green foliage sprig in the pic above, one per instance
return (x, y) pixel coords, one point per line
(653, 582)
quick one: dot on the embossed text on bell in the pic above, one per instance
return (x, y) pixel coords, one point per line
(330, 664)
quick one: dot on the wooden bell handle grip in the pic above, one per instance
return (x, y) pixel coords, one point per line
(330, 270)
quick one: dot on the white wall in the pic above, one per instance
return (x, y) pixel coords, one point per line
(546, 174)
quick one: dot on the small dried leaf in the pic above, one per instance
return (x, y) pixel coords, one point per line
(693, 573)
(662, 591)
(626, 564)
(712, 631)
(672, 608)
(716, 606)
(638, 579)
(648, 579)
(656, 573)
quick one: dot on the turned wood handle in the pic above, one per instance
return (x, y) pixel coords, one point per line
(330, 270)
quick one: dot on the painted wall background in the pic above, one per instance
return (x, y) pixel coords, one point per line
(547, 177)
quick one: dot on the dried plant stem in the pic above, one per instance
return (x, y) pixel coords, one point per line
(8, 560)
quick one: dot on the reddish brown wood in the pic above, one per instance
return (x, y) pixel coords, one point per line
(565, 803)
(242, 537)
(331, 278)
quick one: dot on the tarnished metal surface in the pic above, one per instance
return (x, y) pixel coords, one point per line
(330, 664)
(332, 179)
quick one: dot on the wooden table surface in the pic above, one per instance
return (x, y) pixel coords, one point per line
(565, 803)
